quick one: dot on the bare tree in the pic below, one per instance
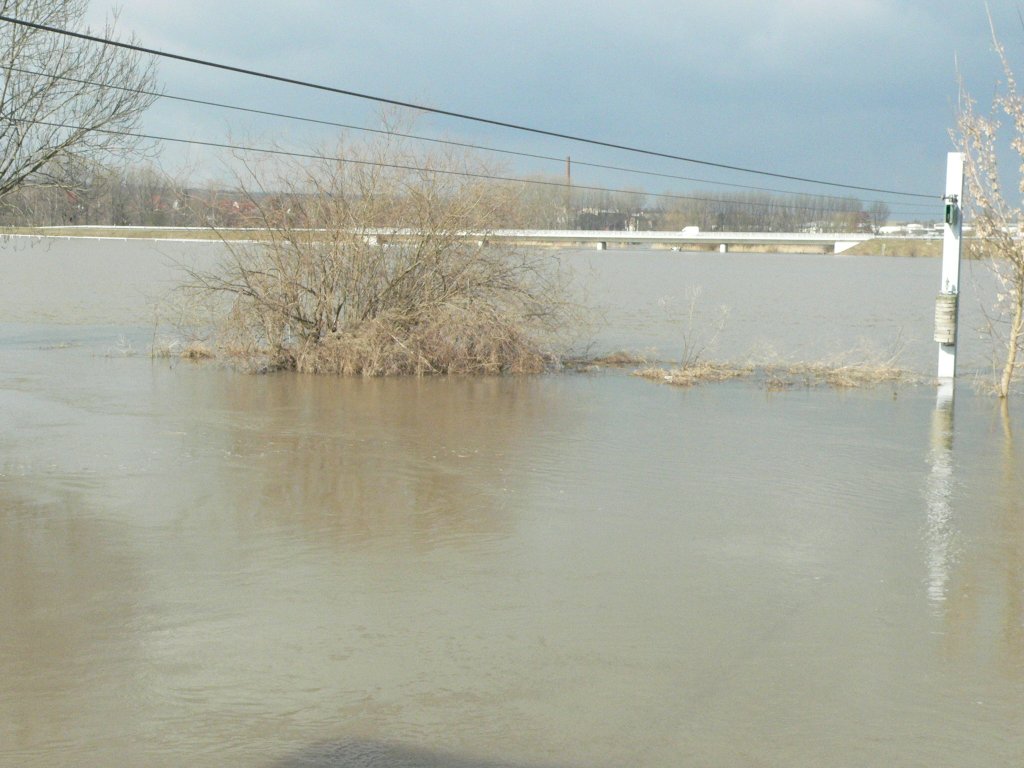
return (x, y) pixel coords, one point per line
(996, 219)
(64, 101)
(543, 203)
(879, 212)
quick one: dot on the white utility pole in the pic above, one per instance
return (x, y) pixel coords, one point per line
(947, 302)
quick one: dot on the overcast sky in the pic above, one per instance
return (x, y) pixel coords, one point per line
(857, 91)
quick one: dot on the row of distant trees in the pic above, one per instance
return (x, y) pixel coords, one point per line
(140, 196)
(765, 212)
(144, 196)
(545, 204)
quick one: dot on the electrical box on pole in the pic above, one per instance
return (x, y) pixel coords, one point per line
(947, 304)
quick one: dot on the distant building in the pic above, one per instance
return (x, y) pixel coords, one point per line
(914, 229)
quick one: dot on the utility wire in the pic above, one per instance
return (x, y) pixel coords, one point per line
(423, 169)
(446, 142)
(445, 112)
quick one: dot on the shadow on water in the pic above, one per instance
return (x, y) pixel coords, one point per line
(366, 461)
(64, 603)
(357, 753)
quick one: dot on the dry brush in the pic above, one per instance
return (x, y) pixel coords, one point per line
(380, 264)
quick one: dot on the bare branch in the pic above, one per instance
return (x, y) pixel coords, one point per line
(48, 120)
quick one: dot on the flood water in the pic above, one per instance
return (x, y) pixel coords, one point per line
(207, 568)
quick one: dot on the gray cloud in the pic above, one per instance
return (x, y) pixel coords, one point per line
(862, 90)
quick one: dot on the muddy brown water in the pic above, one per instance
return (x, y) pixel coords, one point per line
(200, 567)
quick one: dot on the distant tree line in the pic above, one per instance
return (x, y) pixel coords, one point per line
(144, 196)
(552, 205)
(141, 196)
(765, 212)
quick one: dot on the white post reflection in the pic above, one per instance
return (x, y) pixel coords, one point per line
(940, 533)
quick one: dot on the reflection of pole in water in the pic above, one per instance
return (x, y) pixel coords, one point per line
(940, 533)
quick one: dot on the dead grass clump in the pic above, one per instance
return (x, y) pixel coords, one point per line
(196, 351)
(838, 375)
(439, 344)
(777, 378)
(864, 366)
(859, 375)
(620, 359)
(167, 348)
(697, 373)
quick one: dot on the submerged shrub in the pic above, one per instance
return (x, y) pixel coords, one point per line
(376, 266)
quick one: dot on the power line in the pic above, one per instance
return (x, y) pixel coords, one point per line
(423, 169)
(446, 142)
(447, 113)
